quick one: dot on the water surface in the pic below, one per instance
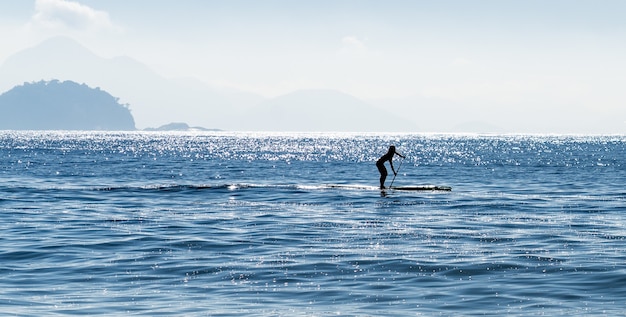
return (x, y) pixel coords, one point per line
(231, 224)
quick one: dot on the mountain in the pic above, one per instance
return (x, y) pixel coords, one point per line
(323, 110)
(55, 105)
(178, 126)
(153, 99)
(437, 115)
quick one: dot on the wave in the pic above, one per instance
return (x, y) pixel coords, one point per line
(241, 186)
(187, 187)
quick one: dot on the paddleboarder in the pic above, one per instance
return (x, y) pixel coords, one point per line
(381, 164)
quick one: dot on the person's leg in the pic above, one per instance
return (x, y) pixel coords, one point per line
(383, 174)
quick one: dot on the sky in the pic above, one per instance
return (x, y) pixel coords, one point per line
(497, 53)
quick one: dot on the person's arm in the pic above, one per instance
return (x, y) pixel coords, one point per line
(400, 155)
(391, 163)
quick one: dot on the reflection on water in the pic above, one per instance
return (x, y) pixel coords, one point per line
(274, 224)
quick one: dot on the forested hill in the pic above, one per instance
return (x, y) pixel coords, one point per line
(67, 105)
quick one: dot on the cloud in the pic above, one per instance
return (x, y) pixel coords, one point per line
(351, 42)
(351, 45)
(61, 14)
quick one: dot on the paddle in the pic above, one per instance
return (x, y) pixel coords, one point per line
(396, 173)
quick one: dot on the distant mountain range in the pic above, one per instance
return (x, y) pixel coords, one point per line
(306, 110)
(155, 100)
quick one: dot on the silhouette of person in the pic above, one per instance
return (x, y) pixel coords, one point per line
(381, 164)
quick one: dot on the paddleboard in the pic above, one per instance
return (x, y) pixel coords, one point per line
(422, 187)
(352, 186)
(407, 188)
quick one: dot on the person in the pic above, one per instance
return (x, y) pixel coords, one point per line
(381, 164)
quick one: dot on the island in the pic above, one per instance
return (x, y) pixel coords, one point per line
(179, 126)
(67, 105)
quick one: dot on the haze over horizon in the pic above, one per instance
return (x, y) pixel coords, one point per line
(497, 66)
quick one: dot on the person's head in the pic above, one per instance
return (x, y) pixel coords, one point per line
(392, 149)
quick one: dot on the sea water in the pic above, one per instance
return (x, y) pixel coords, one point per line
(284, 224)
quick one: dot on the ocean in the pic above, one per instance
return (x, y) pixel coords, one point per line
(292, 224)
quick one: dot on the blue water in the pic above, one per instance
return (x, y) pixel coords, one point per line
(231, 224)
